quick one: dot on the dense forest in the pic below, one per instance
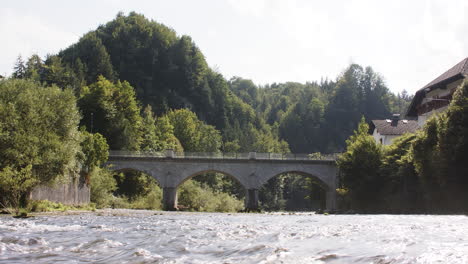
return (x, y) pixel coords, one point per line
(139, 86)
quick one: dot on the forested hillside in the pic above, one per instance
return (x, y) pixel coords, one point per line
(320, 116)
(169, 71)
(143, 87)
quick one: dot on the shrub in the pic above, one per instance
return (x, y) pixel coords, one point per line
(197, 197)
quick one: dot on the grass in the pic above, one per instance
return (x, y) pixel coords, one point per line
(48, 206)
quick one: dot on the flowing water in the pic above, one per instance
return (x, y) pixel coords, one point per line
(124, 236)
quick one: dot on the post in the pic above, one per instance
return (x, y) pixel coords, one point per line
(251, 200)
(170, 153)
(330, 200)
(170, 199)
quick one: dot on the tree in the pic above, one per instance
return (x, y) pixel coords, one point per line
(34, 68)
(453, 140)
(402, 187)
(19, 70)
(38, 127)
(39, 139)
(95, 150)
(112, 110)
(165, 135)
(359, 167)
(150, 140)
(193, 134)
(14, 184)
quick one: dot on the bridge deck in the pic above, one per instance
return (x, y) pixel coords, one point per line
(224, 156)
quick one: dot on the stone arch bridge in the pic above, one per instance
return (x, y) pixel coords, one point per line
(251, 170)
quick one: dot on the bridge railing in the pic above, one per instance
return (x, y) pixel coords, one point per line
(221, 155)
(125, 153)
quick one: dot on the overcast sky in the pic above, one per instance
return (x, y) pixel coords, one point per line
(408, 42)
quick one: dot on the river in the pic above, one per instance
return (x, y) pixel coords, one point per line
(126, 236)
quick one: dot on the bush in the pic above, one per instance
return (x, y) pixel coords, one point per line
(197, 197)
(48, 206)
(359, 167)
(151, 201)
(103, 185)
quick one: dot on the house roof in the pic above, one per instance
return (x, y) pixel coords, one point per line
(459, 71)
(387, 127)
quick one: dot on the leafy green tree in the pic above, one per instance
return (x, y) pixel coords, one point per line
(55, 72)
(14, 184)
(93, 56)
(134, 184)
(103, 185)
(38, 127)
(34, 68)
(439, 155)
(150, 140)
(401, 188)
(359, 167)
(453, 142)
(111, 109)
(95, 150)
(193, 134)
(165, 135)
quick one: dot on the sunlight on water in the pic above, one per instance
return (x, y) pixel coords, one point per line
(121, 236)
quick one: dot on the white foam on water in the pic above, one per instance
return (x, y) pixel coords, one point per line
(237, 238)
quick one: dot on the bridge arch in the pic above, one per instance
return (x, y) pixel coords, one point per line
(191, 175)
(293, 190)
(318, 179)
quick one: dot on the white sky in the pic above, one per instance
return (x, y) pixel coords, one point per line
(408, 42)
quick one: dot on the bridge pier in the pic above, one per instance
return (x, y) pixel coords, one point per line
(251, 200)
(169, 199)
(330, 200)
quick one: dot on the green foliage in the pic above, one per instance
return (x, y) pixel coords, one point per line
(34, 68)
(421, 172)
(136, 190)
(132, 184)
(453, 139)
(401, 188)
(102, 185)
(165, 135)
(149, 201)
(221, 183)
(14, 185)
(194, 135)
(19, 70)
(150, 140)
(194, 196)
(292, 192)
(440, 155)
(95, 149)
(318, 117)
(48, 206)
(197, 109)
(359, 167)
(111, 109)
(38, 127)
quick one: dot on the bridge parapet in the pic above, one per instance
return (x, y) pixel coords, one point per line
(222, 155)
